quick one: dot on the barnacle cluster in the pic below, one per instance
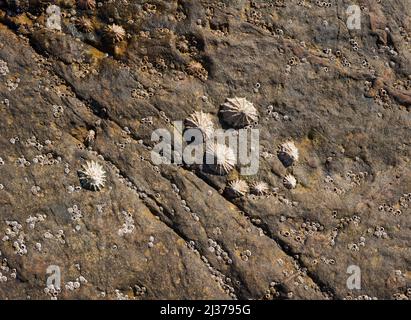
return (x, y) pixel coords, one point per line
(196, 69)
(4, 69)
(92, 176)
(239, 112)
(128, 225)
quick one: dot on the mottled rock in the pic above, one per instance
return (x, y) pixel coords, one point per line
(169, 231)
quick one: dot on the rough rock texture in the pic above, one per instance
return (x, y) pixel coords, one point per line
(343, 96)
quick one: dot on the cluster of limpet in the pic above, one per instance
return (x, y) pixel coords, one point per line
(239, 112)
(115, 33)
(220, 158)
(202, 121)
(92, 176)
(239, 188)
(288, 153)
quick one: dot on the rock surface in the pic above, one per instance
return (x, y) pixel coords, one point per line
(169, 231)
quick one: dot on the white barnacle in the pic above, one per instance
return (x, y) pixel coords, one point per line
(238, 188)
(220, 158)
(115, 32)
(239, 112)
(259, 188)
(92, 176)
(289, 181)
(288, 153)
(202, 121)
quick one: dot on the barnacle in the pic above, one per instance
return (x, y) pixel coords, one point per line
(238, 188)
(86, 4)
(223, 158)
(288, 153)
(239, 112)
(289, 181)
(92, 176)
(85, 24)
(196, 69)
(201, 121)
(115, 32)
(259, 188)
